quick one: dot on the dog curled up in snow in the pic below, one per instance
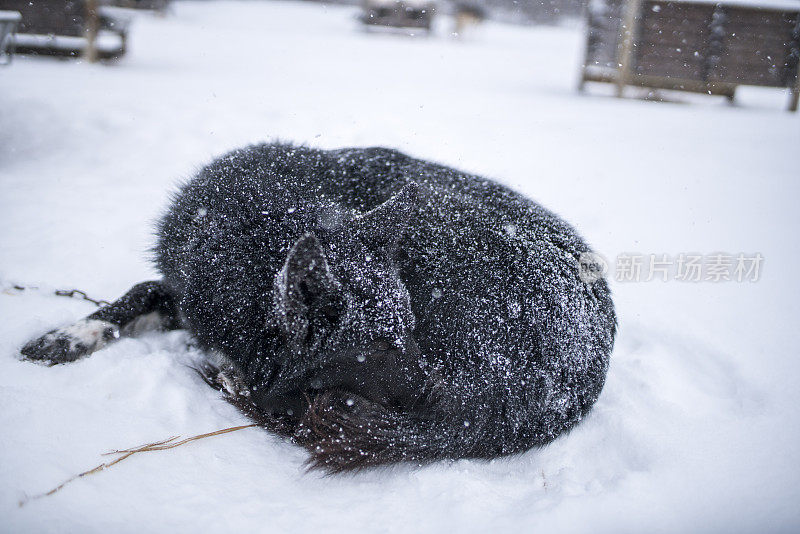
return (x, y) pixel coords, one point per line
(373, 307)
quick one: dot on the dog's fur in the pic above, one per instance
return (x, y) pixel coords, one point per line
(374, 307)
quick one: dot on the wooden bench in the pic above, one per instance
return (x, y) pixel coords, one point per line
(8, 25)
(398, 13)
(68, 28)
(693, 46)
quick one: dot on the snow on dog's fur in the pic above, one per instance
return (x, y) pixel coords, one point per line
(377, 308)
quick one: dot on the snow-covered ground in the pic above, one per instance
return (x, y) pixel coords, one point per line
(697, 428)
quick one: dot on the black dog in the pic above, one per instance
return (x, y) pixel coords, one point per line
(374, 307)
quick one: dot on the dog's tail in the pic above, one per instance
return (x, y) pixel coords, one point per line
(345, 432)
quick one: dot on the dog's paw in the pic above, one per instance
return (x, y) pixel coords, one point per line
(71, 342)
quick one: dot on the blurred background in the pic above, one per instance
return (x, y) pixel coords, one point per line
(661, 129)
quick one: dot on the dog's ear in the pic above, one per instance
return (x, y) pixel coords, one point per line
(383, 226)
(307, 294)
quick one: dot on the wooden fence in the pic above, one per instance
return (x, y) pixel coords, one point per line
(692, 46)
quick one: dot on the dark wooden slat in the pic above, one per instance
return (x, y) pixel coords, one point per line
(676, 42)
(62, 17)
(669, 67)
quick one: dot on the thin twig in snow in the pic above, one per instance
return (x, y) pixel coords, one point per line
(127, 453)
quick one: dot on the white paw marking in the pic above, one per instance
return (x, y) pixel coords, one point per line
(87, 332)
(229, 375)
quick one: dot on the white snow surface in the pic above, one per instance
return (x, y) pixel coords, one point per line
(697, 428)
